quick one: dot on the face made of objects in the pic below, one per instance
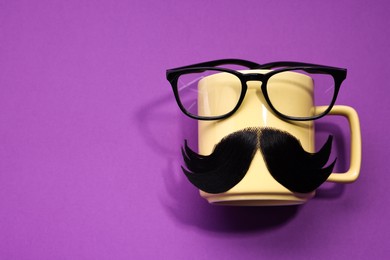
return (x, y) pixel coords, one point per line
(258, 187)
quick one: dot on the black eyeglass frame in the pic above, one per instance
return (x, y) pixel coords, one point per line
(338, 74)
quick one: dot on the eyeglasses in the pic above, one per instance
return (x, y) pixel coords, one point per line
(212, 90)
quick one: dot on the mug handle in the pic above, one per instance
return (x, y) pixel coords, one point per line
(356, 144)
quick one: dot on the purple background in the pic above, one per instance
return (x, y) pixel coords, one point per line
(90, 133)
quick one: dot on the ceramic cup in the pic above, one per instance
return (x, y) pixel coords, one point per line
(258, 187)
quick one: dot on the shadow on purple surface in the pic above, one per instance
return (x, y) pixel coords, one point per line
(227, 219)
(182, 201)
(158, 124)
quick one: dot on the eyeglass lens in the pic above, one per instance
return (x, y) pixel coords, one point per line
(297, 93)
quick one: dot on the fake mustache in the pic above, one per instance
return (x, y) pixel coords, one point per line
(285, 158)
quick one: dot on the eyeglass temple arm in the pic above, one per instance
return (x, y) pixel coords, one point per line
(293, 64)
(246, 63)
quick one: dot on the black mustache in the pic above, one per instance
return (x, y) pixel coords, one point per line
(291, 165)
(225, 166)
(286, 160)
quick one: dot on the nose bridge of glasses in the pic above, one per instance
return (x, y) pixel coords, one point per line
(254, 77)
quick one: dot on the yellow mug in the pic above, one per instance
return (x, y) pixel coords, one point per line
(258, 187)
